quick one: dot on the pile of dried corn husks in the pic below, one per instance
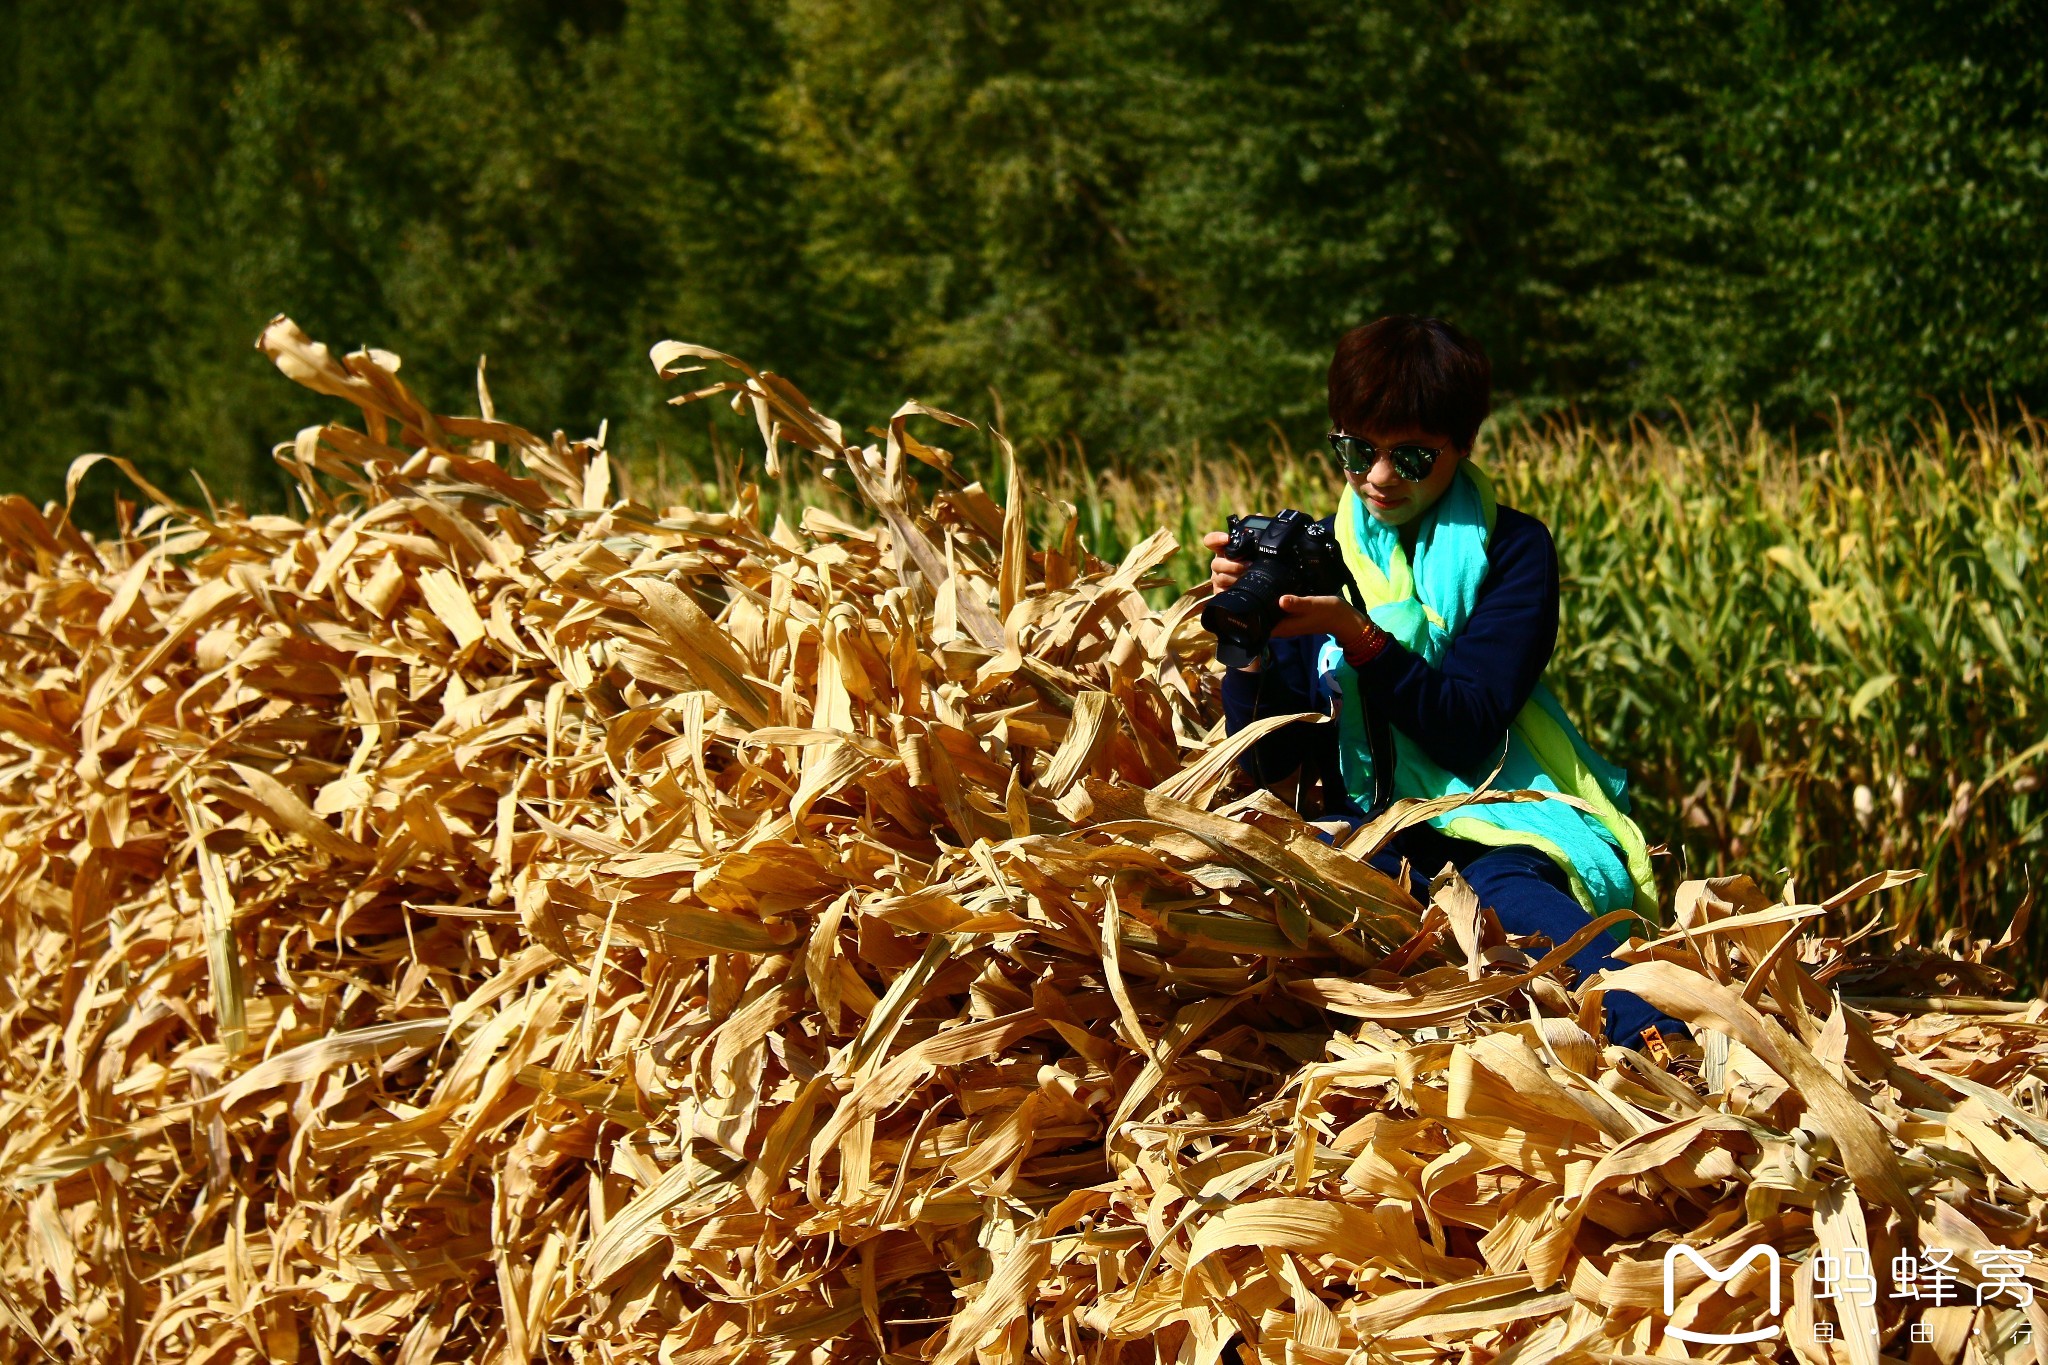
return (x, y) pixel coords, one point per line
(489, 920)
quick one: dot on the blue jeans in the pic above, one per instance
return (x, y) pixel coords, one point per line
(1531, 895)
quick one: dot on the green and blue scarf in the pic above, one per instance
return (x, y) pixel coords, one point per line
(1424, 603)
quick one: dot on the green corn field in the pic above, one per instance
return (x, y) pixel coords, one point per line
(1822, 658)
(1827, 660)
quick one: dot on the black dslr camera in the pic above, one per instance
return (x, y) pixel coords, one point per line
(1289, 553)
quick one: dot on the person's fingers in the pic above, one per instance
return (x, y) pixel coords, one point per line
(1215, 540)
(1225, 566)
(1304, 615)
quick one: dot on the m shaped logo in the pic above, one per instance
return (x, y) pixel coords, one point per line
(1769, 1255)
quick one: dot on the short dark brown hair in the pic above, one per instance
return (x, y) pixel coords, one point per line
(1403, 370)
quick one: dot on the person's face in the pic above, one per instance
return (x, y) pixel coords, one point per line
(1391, 499)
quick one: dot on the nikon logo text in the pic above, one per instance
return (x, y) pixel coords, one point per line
(1770, 1258)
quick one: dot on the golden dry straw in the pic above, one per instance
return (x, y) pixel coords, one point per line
(486, 919)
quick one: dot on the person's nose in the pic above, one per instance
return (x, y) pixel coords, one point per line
(1383, 475)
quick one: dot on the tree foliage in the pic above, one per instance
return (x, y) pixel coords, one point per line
(1141, 222)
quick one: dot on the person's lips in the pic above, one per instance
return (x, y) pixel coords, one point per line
(1377, 501)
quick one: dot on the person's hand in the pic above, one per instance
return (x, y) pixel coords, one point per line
(1223, 573)
(1320, 616)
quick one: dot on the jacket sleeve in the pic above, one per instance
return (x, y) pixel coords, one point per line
(1284, 685)
(1460, 711)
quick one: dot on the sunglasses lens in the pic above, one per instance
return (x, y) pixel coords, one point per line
(1413, 463)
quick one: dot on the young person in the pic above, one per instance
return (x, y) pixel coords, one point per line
(1439, 680)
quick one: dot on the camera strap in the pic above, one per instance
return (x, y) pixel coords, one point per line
(1379, 732)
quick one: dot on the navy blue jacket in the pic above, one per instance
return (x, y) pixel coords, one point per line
(1459, 712)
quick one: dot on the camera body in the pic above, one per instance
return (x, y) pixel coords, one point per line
(1289, 553)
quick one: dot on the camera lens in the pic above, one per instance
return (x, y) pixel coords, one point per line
(1243, 618)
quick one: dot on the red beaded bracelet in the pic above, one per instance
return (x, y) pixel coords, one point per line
(1367, 647)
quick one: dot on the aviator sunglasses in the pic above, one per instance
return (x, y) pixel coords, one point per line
(1358, 455)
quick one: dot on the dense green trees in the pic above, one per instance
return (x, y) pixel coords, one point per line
(1784, 203)
(1140, 221)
